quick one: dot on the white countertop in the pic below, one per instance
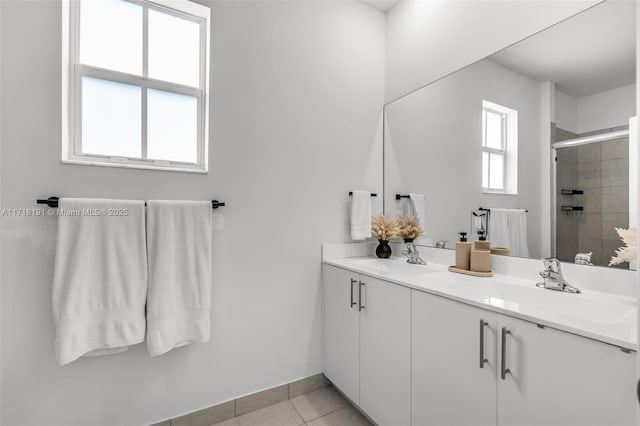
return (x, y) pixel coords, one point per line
(601, 316)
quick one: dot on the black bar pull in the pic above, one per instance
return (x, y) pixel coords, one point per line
(373, 194)
(483, 360)
(503, 367)
(352, 302)
(360, 305)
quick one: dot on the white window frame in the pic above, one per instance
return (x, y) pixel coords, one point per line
(73, 71)
(508, 148)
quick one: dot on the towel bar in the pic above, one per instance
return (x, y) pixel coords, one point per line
(482, 209)
(372, 194)
(53, 202)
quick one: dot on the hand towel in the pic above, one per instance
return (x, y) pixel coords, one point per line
(416, 207)
(179, 251)
(100, 277)
(518, 233)
(508, 228)
(360, 215)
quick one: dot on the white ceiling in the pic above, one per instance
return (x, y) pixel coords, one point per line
(589, 53)
(382, 5)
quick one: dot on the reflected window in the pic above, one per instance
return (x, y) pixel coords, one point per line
(499, 149)
(135, 83)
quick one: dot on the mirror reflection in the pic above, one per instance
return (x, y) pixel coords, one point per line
(529, 146)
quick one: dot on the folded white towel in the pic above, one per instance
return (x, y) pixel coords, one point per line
(100, 277)
(360, 215)
(179, 250)
(416, 207)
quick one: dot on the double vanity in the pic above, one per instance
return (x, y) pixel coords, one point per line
(418, 345)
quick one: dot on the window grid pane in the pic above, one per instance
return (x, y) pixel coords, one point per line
(111, 35)
(172, 123)
(493, 130)
(173, 49)
(496, 171)
(111, 118)
(485, 169)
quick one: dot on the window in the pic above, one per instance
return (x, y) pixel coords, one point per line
(135, 83)
(499, 149)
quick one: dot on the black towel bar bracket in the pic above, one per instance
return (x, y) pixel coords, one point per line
(53, 202)
(398, 196)
(372, 194)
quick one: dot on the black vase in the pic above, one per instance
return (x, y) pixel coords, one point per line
(383, 251)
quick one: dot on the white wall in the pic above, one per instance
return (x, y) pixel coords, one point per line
(429, 39)
(606, 109)
(296, 124)
(433, 146)
(566, 111)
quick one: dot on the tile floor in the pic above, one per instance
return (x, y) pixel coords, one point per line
(322, 407)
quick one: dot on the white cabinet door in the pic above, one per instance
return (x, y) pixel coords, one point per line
(385, 351)
(449, 387)
(340, 330)
(557, 378)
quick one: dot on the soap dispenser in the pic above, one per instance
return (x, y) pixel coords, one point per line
(482, 243)
(463, 252)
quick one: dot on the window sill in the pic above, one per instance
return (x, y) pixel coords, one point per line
(134, 166)
(488, 192)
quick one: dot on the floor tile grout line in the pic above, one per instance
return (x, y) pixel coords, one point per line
(330, 412)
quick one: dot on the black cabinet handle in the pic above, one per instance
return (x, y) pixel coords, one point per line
(360, 305)
(351, 302)
(503, 368)
(483, 323)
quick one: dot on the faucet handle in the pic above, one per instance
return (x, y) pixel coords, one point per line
(551, 265)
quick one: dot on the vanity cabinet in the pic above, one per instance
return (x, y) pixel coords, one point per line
(410, 357)
(550, 377)
(367, 343)
(454, 368)
(341, 330)
(558, 378)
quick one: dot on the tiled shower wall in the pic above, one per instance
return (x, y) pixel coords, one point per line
(601, 170)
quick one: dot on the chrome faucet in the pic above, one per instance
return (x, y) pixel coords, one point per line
(553, 279)
(412, 254)
(441, 243)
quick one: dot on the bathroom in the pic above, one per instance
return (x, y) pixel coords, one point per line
(300, 113)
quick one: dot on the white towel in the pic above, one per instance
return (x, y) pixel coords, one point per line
(508, 228)
(100, 277)
(415, 207)
(360, 215)
(179, 250)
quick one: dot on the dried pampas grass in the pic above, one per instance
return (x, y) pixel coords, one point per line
(384, 228)
(409, 227)
(629, 252)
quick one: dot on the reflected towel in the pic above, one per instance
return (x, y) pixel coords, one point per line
(508, 228)
(360, 215)
(415, 207)
(100, 277)
(179, 250)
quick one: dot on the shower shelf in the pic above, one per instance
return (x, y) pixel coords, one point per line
(571, 208)
(571, 191)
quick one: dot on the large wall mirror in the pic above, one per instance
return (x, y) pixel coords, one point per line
(530, 144)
